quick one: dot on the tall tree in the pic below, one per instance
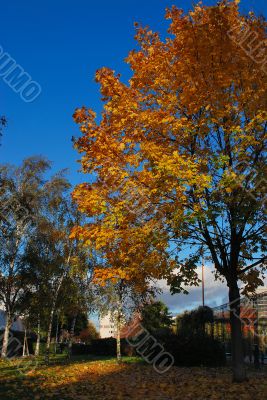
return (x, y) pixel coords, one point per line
(120, 299)
(76, 295)
(59, 269)
(21, 189)
(192, 322)
(179, 153)
(51, 254)
(156, 316)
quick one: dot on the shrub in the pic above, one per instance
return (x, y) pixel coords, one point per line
(194, 350)
(79, 349)
(191, 350)
(103, 347)
(194, 320)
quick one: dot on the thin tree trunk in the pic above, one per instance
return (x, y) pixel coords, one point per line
(48, 340)
(118, 337)
(119, 316)
(56, 339)
(24, 343)
(37, 348)
(9, 317)
(4, 351)
(72, 328)
(53, 309)
(239, 372)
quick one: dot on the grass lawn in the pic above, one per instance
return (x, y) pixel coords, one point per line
(89, 378)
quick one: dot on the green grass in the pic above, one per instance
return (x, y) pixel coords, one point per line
(13, 372)
(98, 378)
(15, 367)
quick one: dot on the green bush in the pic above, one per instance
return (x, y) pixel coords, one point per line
(78, 349)
(103, 347)
(190, 350)
(194, 350)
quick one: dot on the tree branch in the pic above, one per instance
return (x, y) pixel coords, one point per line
(242, 271)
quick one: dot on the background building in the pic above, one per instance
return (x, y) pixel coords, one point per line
(16, 326)
(106, 326)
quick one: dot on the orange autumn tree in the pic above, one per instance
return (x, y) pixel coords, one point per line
(124, 271)
(179, 155)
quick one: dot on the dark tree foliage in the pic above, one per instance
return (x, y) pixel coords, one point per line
(156, 316)
(194, 321)
(3, 123)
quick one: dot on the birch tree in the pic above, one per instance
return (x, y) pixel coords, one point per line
(20, 191)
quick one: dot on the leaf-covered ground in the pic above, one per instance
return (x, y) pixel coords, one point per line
(105, 379)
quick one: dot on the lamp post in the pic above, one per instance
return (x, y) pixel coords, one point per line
(203, 282)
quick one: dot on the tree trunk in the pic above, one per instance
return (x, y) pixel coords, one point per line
(72, 328)
(53, 308)
(48, 340)
(24, 351)
(56, 339)
(4, 351)
(118, 337)
(239, 372)
(37, 348)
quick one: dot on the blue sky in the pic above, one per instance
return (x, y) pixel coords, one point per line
(61, 43)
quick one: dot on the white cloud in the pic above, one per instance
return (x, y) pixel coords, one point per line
(216, 293)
